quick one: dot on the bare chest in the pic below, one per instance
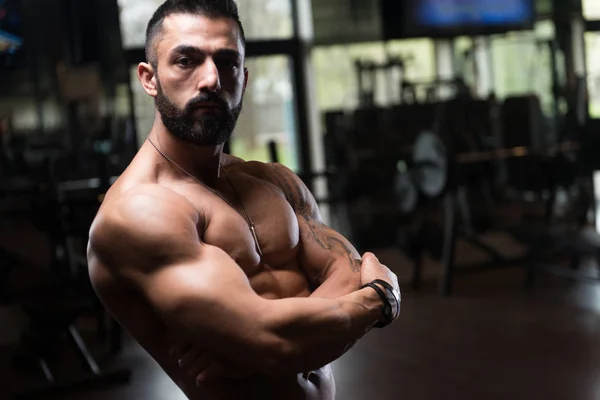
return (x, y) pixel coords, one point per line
(269, 255)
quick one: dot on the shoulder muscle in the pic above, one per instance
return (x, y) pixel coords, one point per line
(292, 187)
(144, 225)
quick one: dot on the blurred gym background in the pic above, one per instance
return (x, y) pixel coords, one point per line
(456, 139)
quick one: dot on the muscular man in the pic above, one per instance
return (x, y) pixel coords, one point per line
(222, 269)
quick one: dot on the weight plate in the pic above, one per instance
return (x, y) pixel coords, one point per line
(406, 192)
(431, 164)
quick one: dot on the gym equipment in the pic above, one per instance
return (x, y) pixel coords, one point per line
(64, 210)
(471, 154)
(474, 156)
(545, 239)
(366, 72)
(405, 189)
(430, 162)
(458, 210)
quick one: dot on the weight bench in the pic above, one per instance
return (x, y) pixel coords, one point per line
(452, 230)
(542, 243)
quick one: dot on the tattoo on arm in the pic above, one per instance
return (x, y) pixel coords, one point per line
(327, 239)
(305, 206)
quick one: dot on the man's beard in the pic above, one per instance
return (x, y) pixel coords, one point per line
(204, 130)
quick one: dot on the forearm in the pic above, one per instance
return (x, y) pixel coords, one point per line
(316, 332)
(342, 334)
(338, 284)
(340, 281)
(297, 335)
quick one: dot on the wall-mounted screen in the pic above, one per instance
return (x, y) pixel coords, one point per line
(11, 33)
(464, 17)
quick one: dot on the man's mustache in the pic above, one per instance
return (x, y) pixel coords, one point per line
(206, 98)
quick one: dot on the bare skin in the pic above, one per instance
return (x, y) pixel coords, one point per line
(178, 267)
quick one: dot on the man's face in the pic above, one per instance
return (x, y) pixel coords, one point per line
(201, 78)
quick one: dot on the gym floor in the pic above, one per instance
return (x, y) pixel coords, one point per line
(491, 340)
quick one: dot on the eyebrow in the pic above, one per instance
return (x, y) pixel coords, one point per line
(187, 49)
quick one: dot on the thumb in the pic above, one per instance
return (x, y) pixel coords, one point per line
(370, 257)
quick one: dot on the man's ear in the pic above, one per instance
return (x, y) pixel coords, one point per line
(147, 77)
(245, 78)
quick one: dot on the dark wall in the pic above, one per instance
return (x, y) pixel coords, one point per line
(72, 32)
(94, 36)
(63, 39)
(43, 45)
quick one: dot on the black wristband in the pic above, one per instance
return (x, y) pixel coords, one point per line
(391, 290)
(384, 284)
(387, 307)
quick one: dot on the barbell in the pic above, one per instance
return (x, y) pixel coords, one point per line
(429, 172)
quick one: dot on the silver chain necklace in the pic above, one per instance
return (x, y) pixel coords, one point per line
(243, 212)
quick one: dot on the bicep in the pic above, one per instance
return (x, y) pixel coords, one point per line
(151, 242)
(209, 302)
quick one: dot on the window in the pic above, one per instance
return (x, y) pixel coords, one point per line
(266, 19)
(268, 114)
(592, 45)
(346, 21)
(591, 9)
(262, 19)
(463, 46)
(143, 106)
(336, 75)
(523, 65)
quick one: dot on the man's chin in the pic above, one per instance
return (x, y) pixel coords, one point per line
(206, 111)
(203, 140)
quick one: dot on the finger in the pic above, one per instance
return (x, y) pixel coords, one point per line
(213, 371)
(180, 350)
(199, 366)
(370, 257)
(188, 359)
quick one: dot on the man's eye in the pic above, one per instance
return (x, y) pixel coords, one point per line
(184, 62)
(228, 63)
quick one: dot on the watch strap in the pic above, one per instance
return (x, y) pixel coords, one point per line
(387, 307)
(391, 291)
(384, 284)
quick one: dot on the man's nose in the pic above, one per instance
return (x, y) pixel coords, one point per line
(210, 81)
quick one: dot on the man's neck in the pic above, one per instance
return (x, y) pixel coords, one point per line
(202, 162)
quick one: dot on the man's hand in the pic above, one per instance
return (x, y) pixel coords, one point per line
(199, 365)
(373, 270)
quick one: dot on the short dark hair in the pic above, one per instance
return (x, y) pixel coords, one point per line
(208, 8)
